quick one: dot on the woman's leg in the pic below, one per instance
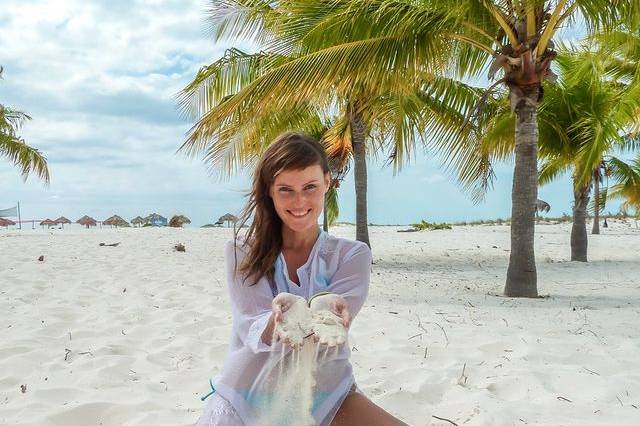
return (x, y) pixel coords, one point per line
(357, 409)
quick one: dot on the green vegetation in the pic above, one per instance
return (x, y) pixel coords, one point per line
(27, 159)
(386, 76)
(428, 226)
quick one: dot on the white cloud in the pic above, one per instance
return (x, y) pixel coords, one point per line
(99, 79)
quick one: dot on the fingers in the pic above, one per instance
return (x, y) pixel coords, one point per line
(277, 313)
(342, 310)
(346, 318)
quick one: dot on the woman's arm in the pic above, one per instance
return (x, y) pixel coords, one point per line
(250, 305)
(351, 280)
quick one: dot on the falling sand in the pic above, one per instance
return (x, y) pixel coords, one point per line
(284, 391)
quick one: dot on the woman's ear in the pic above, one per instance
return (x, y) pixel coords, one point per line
(327, 182)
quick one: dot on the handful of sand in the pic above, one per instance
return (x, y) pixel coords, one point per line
(300, 321)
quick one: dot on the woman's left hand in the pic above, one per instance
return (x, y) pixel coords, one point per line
(331, 319)
(335, 304)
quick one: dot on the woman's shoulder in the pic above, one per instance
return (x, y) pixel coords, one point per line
(345, 247)
(237, 247)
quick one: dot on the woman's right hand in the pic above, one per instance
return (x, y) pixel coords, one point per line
(291, 326)
(282, 303)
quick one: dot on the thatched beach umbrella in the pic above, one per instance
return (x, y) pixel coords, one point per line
(47, 222)
(156, 220)
(62, 221)
(6, 222)
(178, 221)
(87, 221)
(229, 218)
(116, 221)
(137, 221)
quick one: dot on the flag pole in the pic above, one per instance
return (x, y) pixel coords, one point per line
(19, 218)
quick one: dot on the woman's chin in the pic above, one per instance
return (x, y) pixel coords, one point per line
(300, 226)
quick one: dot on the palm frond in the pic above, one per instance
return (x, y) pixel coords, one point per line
(332, 205)
(27, 159)
(240, 19)
(551, 169)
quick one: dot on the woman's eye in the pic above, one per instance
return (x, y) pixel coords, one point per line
(310, 187)
(284, 189)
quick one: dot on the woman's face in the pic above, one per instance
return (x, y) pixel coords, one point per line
(298, 196)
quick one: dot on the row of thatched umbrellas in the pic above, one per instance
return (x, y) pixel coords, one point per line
(117, 221)
(85, 221)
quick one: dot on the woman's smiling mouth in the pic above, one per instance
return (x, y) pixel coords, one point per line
(298, 214)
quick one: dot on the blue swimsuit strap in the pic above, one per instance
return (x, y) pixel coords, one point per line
(213, 390)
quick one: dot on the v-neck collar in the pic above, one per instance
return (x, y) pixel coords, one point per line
(314, 249)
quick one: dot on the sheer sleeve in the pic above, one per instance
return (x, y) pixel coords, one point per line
(250, 304)
(351, 280)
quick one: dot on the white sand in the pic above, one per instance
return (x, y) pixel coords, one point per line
(296, 323)
(143, 356)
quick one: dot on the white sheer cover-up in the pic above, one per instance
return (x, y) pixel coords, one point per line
(336, 265)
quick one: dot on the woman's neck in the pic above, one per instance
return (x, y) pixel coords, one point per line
(292, 240)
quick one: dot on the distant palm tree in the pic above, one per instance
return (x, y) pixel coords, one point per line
(627, 186)
(14, 148)
(599, 197)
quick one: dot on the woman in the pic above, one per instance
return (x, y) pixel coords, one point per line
(285, 259)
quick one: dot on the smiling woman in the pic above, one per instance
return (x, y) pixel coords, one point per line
(283, 268)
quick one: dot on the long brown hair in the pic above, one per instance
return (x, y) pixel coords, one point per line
(263, 239)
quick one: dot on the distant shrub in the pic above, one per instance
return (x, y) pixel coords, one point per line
(424, 225)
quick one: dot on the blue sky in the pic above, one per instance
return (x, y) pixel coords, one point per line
(99, 79)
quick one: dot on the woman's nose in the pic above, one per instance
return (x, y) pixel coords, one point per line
(300, 196)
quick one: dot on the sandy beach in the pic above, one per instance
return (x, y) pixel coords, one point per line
(129, 335)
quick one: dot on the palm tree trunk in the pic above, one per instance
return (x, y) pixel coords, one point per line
(596, 203)
(358, 135)
(579, 240)
(521, 274)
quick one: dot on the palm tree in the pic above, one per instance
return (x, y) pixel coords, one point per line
(15, 149)
(587, 116)
(599, 198)
(627, 186)
(243, 100)
(518, 37)
(348, 47)
(581, 119)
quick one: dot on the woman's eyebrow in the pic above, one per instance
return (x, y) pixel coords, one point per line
(286, 184)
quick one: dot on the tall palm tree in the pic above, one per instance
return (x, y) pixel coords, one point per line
(239, 95)
(14, 148)
(518, 36)
(351, 46)
(581, 119)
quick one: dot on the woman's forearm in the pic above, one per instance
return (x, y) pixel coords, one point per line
(267, 334)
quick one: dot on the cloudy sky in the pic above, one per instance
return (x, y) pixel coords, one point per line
(99, 79)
